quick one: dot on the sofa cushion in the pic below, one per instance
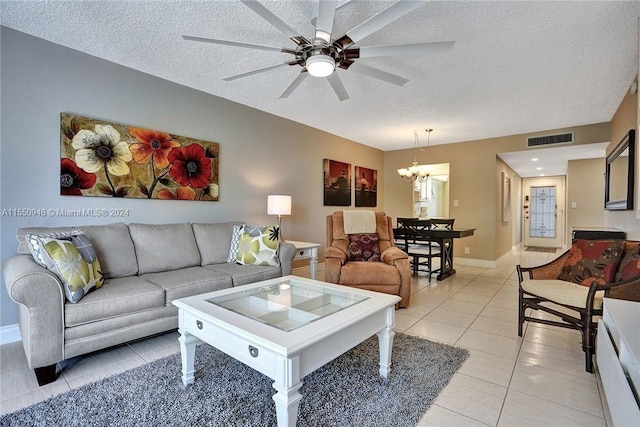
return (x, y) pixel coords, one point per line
(112, 243)
(369, 273)
(592, 260)
(74, 261)
(245, 274)
(258, 245)
(189, 281)
(364, 247)
(630, 264)
(118, 296)
(562, 292)
(214, 241)
(21, 235)
(164, 247)
(114, 247)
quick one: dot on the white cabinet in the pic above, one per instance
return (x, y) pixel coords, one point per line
(617, 355)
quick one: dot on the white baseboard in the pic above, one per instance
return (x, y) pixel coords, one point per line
(472, 262)
(9, 334)
(505, 256)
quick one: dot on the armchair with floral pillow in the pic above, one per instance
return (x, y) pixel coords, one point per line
(572, 287)
(364, 256)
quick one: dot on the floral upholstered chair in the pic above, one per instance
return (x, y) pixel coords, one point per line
(572, 286)
(360, 253)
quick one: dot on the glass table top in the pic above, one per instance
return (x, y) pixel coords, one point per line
(288, 304)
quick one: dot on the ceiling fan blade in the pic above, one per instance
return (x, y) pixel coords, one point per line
(378, 74)
(294, 84)
(342, 4)
(404, 49)
(230, 43)
(337, 86)
(259, 70)
(382, 19)
(272, 19)
(326, 13)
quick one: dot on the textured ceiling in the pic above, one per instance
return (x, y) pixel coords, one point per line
(516, 67)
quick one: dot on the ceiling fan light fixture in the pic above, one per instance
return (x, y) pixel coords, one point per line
(320, 65)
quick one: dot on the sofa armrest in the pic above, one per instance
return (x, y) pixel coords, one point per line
(392, 254)
(40, 299)
(286, 253)
(335, 253)
(334, 259)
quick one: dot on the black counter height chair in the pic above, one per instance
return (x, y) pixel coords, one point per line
(418, 245)
(400, 234)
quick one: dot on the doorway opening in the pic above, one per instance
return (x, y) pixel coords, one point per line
(543, 208)
(431, 197)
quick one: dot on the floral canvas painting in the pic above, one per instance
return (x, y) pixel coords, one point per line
(104, 159)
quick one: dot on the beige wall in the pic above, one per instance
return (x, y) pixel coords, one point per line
(260, 154)
(473, 181)
(585, 187)
(625, 118)
(504, 229)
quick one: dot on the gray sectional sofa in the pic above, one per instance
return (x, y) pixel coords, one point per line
(145, 267)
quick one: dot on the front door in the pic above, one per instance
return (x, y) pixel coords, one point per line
(543, 211)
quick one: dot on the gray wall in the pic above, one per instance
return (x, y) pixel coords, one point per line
(260, 154)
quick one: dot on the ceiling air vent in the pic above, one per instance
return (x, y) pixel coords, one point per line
(561, 138)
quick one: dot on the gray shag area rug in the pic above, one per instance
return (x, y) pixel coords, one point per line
(345, 392)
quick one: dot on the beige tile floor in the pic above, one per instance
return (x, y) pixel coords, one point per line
(537, 380)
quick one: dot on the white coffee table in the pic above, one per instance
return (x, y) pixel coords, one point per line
(286, 328)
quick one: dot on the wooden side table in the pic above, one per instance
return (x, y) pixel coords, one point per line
(307, 250)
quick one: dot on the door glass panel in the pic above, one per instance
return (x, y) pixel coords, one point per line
(543, 212)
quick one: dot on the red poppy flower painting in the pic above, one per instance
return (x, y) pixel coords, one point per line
(104, 159)
(73, 179)
(190, 166)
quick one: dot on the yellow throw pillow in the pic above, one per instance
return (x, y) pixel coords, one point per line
(258, 245)
(79, 276)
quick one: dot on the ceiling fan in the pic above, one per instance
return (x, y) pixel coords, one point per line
(323, 54)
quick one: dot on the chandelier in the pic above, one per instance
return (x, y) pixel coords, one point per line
(416, 172)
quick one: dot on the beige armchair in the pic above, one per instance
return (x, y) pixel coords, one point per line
(390, 274)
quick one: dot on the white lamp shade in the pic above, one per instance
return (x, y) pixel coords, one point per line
(278, 205)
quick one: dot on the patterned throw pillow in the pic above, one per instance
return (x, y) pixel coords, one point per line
(630, 264)
(592, 260)
(73, 259)
(35, 244)
(258, 245)
(235, 238)
(364, 247)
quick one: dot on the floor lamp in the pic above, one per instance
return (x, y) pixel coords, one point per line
(279, 205)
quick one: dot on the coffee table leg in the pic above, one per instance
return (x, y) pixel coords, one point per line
(188, 353)
(385, 343)
(287, 398)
